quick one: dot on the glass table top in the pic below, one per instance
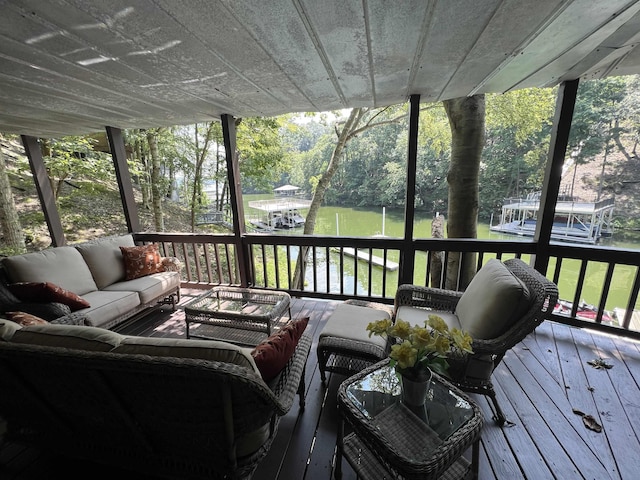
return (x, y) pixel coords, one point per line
(414, 431)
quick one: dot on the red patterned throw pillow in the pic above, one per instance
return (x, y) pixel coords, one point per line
(272, 354)
(43, 292)
(141, 261)
(25, 319)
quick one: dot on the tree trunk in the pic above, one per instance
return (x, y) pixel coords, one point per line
(156, 191)
(318, 195)
(467, 122)
(200, 155)
(437, 257)
(12, 236)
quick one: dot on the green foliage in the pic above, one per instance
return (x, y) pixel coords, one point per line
(597, 107)
(260, 152)
(69, 158)
(524, 112)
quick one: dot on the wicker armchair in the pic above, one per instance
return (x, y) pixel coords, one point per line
(472, 373)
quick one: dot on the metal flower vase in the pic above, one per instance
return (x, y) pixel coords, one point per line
(414, 391)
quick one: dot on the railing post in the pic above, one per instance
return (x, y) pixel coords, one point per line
(119, 155)
(408, 253)
(565, 104)
(45, 192)
(235, 190)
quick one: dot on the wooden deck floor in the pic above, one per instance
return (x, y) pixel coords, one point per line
(539, 384)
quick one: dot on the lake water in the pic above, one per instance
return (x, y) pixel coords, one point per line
(367, 222)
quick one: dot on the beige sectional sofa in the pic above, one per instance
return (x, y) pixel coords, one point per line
(169, 407)
(95, 271)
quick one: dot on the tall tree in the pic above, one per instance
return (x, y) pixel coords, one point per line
(467, 122)
(359, 120)
(156, 188)
(200, 153)
(12, 236)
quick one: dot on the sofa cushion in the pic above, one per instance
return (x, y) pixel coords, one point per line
(69, 336)
(46, 292)
(149, 287)
(141, 261)
(273, 354)
(104, 258)
(62, 266)
(494, 299)
(107, 306)
(182, 348)
(25, 319)
(7, 329)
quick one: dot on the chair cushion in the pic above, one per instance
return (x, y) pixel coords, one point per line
(273, 354)
(350, 322)
(492, 302)
(417, 316)
(69, 336)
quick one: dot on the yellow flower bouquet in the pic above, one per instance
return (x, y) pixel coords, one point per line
(419, 349)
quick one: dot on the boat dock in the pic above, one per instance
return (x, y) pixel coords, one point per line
(577, 222)
(280, 212)
(373, 259)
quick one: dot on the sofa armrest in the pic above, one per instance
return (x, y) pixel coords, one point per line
(171, 264)
(291, 379)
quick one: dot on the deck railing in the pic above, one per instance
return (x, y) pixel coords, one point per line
(334, 271)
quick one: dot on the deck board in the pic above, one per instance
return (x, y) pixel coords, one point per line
(617, 428)
(538, 384)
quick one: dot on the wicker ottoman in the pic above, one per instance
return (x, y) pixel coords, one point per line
(344, 346)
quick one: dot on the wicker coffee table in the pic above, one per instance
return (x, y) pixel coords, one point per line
(391, 440)
(244, 316)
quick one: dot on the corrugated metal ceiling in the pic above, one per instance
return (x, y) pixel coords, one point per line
(74, 66)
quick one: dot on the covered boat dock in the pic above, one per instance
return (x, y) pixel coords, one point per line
(574, 221)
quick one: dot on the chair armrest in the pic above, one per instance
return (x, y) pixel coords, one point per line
(288, 382)
(171, 264)
(426, 297)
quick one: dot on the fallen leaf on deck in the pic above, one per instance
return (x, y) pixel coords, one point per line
(591, 423)
(588, 421)
(600, 363)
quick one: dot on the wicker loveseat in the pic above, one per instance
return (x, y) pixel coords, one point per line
(95, 271)
(175, 408)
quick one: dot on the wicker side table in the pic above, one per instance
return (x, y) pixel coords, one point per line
(390, 440)
(244, 316)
